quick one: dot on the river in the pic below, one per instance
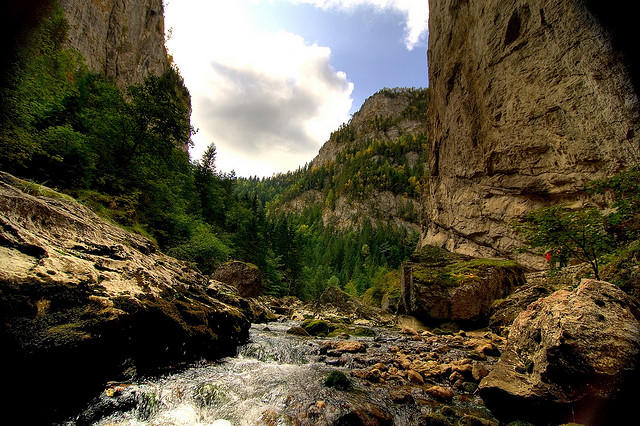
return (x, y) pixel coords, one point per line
(275, 379)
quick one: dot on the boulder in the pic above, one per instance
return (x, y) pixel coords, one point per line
(343, 346)
(337, 306)
(573, 353)
(83, 301)
(537, 285)
(454, 288)
(298, 331)
(243, 276)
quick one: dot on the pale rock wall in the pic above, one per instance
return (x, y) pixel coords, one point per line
(123, 39)
(529, 101)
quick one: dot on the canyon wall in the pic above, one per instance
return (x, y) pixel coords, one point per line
(530, 100)
(123, 39)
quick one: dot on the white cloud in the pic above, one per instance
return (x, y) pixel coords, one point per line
(268, 100)
(416, 13)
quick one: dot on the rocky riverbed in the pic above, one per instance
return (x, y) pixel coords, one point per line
(395, 376)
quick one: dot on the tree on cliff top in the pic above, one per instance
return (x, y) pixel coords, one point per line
(578, 234)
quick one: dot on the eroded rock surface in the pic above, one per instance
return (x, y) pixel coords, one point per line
(529, 101)
(537, 285)
(83, 301)
(573, 353)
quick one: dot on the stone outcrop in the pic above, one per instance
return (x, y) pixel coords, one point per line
(83, 301)
(442, 287)
(571, 356)
(245, 277)
(123, 39)
(529, 101)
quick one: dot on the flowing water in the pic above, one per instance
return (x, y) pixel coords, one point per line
(276, 379)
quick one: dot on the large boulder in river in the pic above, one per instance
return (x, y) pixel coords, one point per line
(246, 277)
(83, 301)
(538, 285)
(571, 356)
(438, 286)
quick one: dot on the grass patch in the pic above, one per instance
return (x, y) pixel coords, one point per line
(455, 273)
(119, 211)
(38, 190)
(433, 255)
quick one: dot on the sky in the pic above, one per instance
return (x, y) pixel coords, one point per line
(271, 79)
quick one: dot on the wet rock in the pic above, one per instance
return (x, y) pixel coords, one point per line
(298, 331)
(571, 351)
(402, 397)
(372, 375)
(318, 327)
(479, 371)
(415, 377)
(114, 304)
(469, 420)
(440, 392)
(338, 380)
(245, 277)
(488, 349)
(469, 387)
(409, 331)
(455, 376)
(366, 415)
(435, 419)
(341, 346)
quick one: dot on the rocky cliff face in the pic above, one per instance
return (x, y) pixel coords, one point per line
(529, 101)
(83, 301)
(124, 39)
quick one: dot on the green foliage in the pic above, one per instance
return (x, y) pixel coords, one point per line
(578, 234)
(384, 282)
(202, 248)
(333, 281)
(624, 221)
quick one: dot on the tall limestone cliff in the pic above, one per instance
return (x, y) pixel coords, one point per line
(530, 100)
(124, 39)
